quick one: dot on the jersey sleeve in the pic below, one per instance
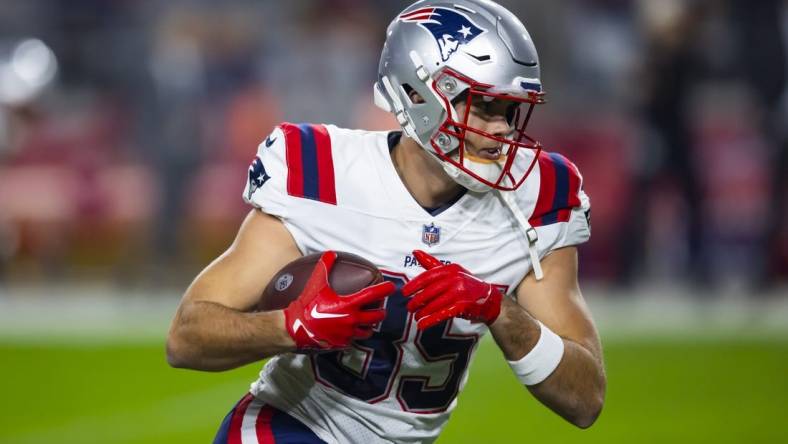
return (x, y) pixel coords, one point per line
(293, 163)
(562, 212)
(266, 181)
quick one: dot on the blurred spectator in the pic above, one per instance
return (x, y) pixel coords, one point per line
(762, 62)
(669, 73)
(321, 62)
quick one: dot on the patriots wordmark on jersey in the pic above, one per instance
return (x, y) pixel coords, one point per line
(337, 189)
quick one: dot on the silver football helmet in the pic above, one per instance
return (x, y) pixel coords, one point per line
(448, 51)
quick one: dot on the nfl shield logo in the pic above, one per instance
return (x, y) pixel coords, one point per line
(431, 234)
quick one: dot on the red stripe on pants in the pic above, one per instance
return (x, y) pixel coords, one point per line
(234, 435)
(265, 435)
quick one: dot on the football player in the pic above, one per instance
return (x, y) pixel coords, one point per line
(474, 226)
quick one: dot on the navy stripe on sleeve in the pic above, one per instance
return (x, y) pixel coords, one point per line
(309, 162)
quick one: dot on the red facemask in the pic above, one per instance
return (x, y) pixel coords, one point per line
(506, 174)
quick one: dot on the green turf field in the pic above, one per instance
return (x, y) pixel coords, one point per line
(659, 391)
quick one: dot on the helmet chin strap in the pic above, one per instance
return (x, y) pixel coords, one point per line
(456, 174)
(490, 171)
(463, 178)
(469, 182)
(530, 232)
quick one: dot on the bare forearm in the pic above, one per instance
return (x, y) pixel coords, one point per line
(515, 331)
(575, 390)
(209, 336)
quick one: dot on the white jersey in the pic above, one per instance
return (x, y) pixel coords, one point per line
(337, 189)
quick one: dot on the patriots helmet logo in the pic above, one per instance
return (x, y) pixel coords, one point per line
(449, 27)
(257, 176)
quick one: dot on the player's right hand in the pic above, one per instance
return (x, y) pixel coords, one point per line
(322, 319)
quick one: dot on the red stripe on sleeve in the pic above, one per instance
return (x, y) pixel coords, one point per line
(325, 165)
(564, 214)
(574, 184)
(234, 435)
(295, 174)
(265, 435)
(544, 202)
(573, 200)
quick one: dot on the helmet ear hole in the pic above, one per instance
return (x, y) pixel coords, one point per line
(414, 97)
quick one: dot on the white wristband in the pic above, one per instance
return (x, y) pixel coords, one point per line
(542, 360)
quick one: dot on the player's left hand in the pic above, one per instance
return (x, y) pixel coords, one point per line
(447, 291)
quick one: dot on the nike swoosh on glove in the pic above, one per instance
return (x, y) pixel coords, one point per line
(322, 319)
(446, 291)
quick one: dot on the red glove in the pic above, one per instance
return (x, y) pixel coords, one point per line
(321, 319)
(447, 291)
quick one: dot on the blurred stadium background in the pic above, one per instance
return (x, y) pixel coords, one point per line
(126, 128)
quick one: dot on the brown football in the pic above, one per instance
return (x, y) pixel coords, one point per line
(350, 274)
